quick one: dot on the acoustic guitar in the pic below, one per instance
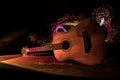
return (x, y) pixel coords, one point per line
(84, 43)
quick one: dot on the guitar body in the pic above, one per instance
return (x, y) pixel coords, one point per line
(76, 49)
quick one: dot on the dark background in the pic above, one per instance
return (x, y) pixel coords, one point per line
(20, 18)
(39, 15)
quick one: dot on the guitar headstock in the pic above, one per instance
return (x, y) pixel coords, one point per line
(24, 50)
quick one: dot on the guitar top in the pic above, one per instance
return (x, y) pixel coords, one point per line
(84, 43)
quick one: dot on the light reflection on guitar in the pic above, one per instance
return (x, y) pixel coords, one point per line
(83, 43)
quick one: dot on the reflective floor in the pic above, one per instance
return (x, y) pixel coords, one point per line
(47, 67)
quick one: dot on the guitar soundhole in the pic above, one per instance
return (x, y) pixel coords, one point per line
(66, 45)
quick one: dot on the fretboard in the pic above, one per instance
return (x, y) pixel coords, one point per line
(45, 48)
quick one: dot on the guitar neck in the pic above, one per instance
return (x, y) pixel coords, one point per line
(45, 48)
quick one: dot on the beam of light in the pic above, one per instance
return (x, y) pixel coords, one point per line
(14, 35)
(6, 57)
(71, 23)
(107, 25)
(109, 29)
(60, 27)
(102, 21)
(57, 28)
